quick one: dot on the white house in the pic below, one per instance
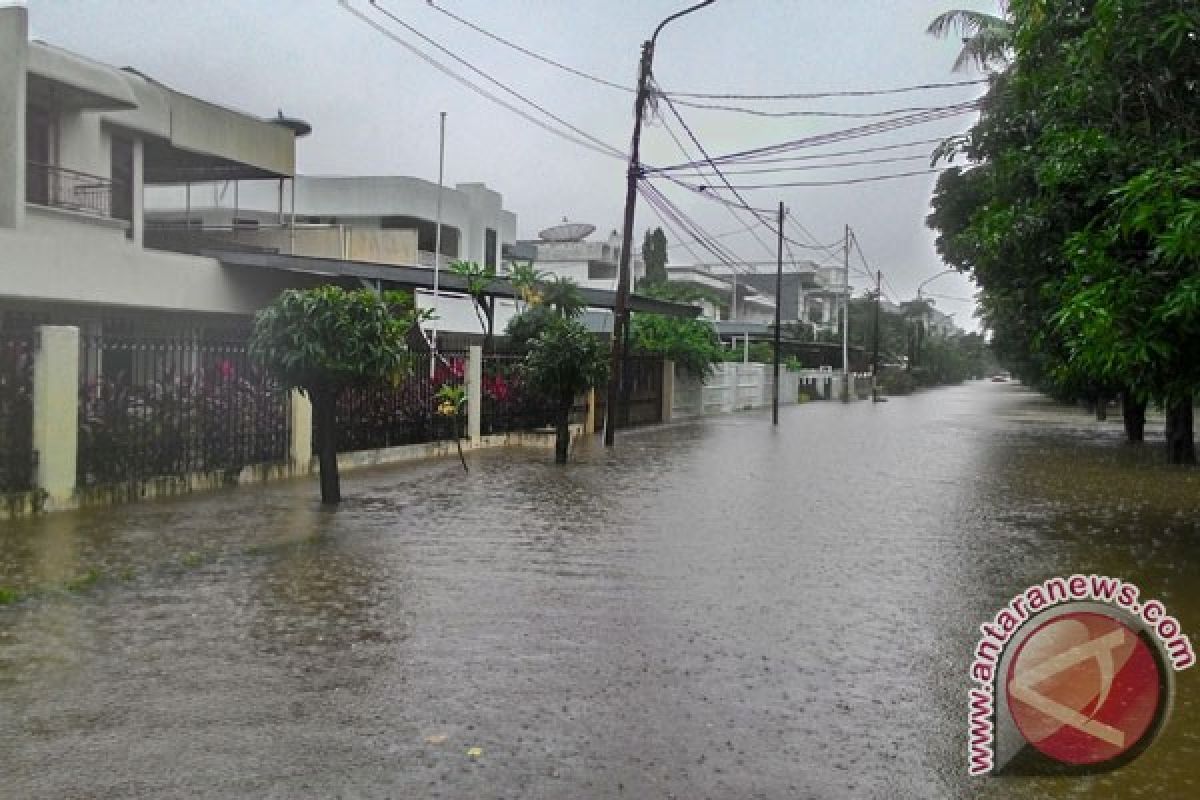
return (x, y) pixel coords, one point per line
(79, 144)
(563, 250)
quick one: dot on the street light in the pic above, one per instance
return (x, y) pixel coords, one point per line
(621, 306)
(932, 279)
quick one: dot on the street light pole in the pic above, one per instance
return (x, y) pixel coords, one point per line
(621, 306)
(437, 238)
(778, 323)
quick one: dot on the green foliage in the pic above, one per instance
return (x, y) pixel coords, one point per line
(691, 343)
(987, 39)
(654, 254)
(565, 359)
(524, 328)
(478, 279)
(526, 281)
(8, 596)
(562, 294)
(760, 353)
(1079, 215)
(329, 337)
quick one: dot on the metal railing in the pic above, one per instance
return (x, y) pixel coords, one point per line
(510, 404)
(154, 407)
(59, 187)
(401, 412)
(16, 410)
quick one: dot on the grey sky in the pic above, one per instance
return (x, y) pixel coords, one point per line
(374, 106)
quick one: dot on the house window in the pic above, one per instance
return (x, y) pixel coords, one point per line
(122, 181)
(489, 249)
(41, 153)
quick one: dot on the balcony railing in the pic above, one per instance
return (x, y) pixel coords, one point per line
(50, 185)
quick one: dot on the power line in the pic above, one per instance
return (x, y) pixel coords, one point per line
(844, 182)
(838, 154)
(693, 95)
(526, 51)
(585, 140)
(821, 95)
(758, 112)
(845, 134)
(808, 167)
(731, 211)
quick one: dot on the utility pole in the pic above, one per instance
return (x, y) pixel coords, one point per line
(846, 319)
(875, 354)
(634, 174)
(437, 241)
(778, 307)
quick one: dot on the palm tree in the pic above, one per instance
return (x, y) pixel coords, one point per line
(986, 38)
(562, 294)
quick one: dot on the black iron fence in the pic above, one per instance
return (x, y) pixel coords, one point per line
(172, 406)
(511, 404)
(51, 185)
(641, 393)
(16, 410)
(401, 411)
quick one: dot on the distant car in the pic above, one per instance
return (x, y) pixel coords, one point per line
(999, 379)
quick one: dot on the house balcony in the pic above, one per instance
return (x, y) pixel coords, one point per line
(70, 190)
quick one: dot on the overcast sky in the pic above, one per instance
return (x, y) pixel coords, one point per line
(374, 105)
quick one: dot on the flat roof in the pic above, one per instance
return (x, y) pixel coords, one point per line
(422, 278)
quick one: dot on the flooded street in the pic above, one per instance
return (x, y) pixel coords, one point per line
(714, 610)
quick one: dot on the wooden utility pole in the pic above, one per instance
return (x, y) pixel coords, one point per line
(875, 353)
(634, 174)
(846, 318)
(778, 306)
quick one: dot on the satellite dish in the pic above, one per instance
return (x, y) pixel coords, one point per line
(567, 232)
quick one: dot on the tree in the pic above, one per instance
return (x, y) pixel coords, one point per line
(654, 254)
(478, 280)
(1080, 217)
(562, 294)
(326, 339)
(563, 361)
(691, 343)
(987, 39)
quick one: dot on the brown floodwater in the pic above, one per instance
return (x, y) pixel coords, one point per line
(715, 609)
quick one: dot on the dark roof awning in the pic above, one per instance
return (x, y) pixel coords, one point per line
(422, 278)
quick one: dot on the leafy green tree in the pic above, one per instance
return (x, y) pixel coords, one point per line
(326, 339)
(478, 280)
(526, 282)
(562, 294)
(1078, 218)
(691, 343)
(987, 39)
(654, 254)
(563, 361)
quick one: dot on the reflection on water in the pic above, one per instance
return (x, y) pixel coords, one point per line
(714, 609)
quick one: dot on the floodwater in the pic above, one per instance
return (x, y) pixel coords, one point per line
(712, 610)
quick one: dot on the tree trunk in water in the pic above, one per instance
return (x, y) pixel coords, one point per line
(1133, 412)
(1101, 408)
(325, 406)
(562, 431)
(1181, 446)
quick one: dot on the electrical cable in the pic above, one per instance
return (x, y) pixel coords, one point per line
(585, 139)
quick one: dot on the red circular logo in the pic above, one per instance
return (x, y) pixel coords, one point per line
(1084, 688)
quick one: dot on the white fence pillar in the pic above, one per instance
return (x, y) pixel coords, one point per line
(474, 392)
(668, 389)
(300, 449)
(56, 413)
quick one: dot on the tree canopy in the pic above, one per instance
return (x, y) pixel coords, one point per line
(1079, 211)
(323, 340)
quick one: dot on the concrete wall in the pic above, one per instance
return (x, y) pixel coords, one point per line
(731, 387)
(89, 261)
(14, 35)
